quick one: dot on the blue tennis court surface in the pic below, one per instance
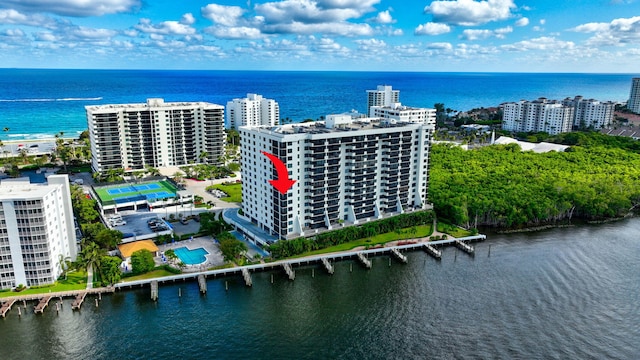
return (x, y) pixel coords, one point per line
(146, 187)
(159, 195)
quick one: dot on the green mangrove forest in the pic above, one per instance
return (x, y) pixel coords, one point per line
(597, 178)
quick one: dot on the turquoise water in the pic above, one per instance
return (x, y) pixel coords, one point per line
(37, 103)
(191, 257)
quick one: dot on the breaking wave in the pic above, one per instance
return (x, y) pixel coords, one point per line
(51, 100)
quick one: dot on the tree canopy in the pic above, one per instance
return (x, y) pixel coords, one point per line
(505, 187)
(142, 261)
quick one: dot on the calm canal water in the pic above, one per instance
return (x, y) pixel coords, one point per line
(570, 293)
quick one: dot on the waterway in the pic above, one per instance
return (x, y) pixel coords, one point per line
(569, 293)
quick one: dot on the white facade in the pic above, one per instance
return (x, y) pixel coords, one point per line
(254, 110)
(384, 95)
(590, 113)
(155, 133)
(346, 172)
(36, 227)
(540, 115)
(398, 112)
(634, 96)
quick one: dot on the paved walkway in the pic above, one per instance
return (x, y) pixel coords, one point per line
(246, 226)
(90, 277)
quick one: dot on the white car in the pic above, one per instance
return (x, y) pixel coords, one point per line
(118, 222)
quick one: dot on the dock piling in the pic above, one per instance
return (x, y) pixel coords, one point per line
(366, 262)
(247, 277)
(327, 265)
(398, 255)
(290, 273)
(202, 282)
(154, 290)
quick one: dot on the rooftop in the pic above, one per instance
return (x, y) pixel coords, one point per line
(129, 248)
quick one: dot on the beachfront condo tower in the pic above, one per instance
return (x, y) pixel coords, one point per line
(634, 96)
(254, 110)
(540, 115)
(384, 95)
(156, 134)
(347, 171)
(36, 231)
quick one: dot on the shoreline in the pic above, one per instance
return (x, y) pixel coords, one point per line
(413, 245)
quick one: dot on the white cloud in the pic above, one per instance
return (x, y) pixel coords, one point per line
(432, 29)
(383, 17)
(469, 12)
(130, 32)
(542, 43)
(84, 33)
(543, 21)
(188, 19)
(45, 36)
(222, 14)
(73, 7)
(473, 34)
(164, 28)
(522, 21)
(439, 46)
(371, 45)
(338, 28)
(234, 32)
(617, 32)
(14, 17)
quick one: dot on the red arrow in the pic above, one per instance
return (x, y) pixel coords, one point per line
(282, 183)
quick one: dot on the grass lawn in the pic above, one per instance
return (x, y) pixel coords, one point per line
(403, 234)
(234, 191)
(150, 275)
(76, 280)
(452, 230)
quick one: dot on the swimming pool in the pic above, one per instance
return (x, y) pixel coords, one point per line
(191, 257)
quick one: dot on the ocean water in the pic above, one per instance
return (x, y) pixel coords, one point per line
(569, 293)
(36, 103)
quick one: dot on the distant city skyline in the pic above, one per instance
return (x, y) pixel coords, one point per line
(370, 35)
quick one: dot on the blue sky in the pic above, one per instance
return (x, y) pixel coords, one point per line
(407, 35)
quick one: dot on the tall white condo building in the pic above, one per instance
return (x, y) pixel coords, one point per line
(254, 110)
(384, 95)
(347, 171)
(36, 229)
(155, 133)
(634, 96)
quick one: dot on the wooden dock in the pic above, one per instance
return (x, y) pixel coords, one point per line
(398, 255)
(464, 247)
(363, 259)
(327, 265)
(6, 306)
(247, 277)
(77, 302)
(421, 244)
(431, 250)
(202, 283)
(154, 290)
(290, 273)
(39, 309)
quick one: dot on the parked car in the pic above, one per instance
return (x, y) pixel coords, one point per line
(118, 222)
(184, 221)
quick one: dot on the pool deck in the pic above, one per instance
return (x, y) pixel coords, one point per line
(214, 258)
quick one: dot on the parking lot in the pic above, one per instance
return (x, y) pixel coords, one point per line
(144, 223)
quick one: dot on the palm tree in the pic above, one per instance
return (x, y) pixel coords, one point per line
(24, 155)
(152, 171)
(203, 156)
(64, 262)
(91, 255)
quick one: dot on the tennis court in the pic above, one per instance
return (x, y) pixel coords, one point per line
(124, 193)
